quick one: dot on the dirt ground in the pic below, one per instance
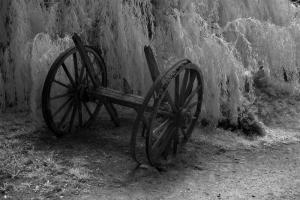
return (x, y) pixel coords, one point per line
(96, 164)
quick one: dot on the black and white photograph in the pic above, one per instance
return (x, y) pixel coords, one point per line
(150, 99)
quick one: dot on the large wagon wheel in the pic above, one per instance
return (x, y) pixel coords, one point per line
(65, 105)
(175, 103)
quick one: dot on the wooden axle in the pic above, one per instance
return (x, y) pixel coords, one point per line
(117, 97)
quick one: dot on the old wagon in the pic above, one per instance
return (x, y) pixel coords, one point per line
(166, 116)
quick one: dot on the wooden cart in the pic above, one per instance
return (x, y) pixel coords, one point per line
(76, 88)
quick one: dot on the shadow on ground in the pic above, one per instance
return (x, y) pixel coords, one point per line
(97, 157)
(96, 164)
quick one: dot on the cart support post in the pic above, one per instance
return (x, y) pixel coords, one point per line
(155, 72)
(152, 64)
(86, 60)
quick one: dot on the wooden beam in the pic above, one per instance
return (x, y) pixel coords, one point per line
(152, 64)
(86, 62)
(117, 97)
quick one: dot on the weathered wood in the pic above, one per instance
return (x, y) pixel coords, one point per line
(155, 71)
(86, 60)
(152, 64)
(112, 113)
(116, 97)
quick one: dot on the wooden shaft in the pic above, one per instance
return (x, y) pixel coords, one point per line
(86, 62)
(117, 97)
(152, 64)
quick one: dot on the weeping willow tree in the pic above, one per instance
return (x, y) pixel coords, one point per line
(225, 38)
(296, 2)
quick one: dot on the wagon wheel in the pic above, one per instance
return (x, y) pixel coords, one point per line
(175, 103)
(65, 105)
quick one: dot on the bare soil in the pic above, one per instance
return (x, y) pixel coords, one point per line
(96, 164)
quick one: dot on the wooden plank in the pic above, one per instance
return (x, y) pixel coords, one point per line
(86, 60)
(152, 64)
(113, 113)
(117, 97)
(155, 72)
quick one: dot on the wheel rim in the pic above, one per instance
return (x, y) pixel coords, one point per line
(66, 106)
(176, 100)
(169, 129)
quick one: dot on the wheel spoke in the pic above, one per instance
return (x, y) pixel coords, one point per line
(61, 107)
(176, 141)
(160, 145)
(164, 113)
(184, 133)
(80, 114)
(190, 85)
(60, 96)
(68, 73)
(171, 102)
(183, 87)
(88, 109)
(190, 97)
(62, 84)
(75, 67)
(163, 125)
(65, 116)
(72, 117)
(89, 81)
(177, 91)
(86, 77)
(81, 74)
(192, 105)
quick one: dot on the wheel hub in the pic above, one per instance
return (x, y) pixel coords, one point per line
(80, 93)
(183, 118)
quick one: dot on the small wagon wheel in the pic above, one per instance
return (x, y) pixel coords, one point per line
(175, 103)
(65, 105)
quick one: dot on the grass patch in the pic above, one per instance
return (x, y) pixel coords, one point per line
(31, 169)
